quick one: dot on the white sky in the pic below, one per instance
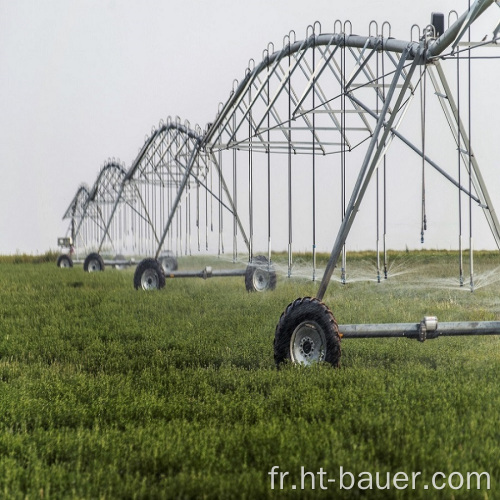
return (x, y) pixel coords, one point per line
(85, 80)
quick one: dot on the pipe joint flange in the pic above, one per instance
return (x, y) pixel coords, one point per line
(422, 331)
(427, 328)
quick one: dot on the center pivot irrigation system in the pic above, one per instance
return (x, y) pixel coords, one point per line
(299, 115)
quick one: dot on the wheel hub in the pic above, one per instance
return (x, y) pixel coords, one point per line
(94, 266)
(308, 343)
(149, 280)
(260, 279)
(306, 346)
(168, 264)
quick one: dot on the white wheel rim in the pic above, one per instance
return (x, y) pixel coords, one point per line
(94, 265)
(166, 265)
(260, 280)
(308, 343)
(64, 263)
(149, 280)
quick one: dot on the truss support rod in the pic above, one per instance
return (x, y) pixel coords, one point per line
(232, 206)
(82, 219)
(286, 79)
(147, 217)
(115, 206)
(206, 188)
(182, 186)
(82, 216)
(316, 74)
(414, 148)
(368, 166)
(361, 65)
(212, 193)
(477, 178)
(102, 218)
(128, 176)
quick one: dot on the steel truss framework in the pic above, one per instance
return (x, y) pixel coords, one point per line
(144, 207)
(76, 213)
(321, 98)
(89, 210)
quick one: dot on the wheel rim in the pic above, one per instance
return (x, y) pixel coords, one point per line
(260, 280)
(94, 265)
(167, 265)
(64, 263)
(150, 280)
(308, 343)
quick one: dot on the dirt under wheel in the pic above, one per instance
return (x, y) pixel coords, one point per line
(64, 260)
(93, 263)
(149, 275)
(260, 275)
(307, 333)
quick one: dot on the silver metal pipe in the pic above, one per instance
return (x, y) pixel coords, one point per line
(414, 330)
(206, 273)
(457, 29)
(355, 41)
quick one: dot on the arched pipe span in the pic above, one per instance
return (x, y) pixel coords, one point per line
(103, 176)
(413, 49)
(80, 199)
(186, 131)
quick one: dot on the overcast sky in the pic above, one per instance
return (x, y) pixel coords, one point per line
(85, 80)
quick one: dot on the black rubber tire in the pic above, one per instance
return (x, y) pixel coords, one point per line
(64, 260)
(260, 275)
(93, 262)
(303, 315)
(168, 263)
(154, 275)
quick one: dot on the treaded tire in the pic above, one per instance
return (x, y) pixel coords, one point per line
(168, 263)
(64, 260)
(149, 275)
(260, 275)
(93, 263)
(307, 332)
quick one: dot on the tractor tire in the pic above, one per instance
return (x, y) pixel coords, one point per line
(93, 263)
(149, 275)
(307, 333)
(260, 275)
(64, 260)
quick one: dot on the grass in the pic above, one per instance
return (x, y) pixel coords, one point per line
(107, 392)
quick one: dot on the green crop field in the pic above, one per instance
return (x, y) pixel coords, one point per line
(108, 392)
